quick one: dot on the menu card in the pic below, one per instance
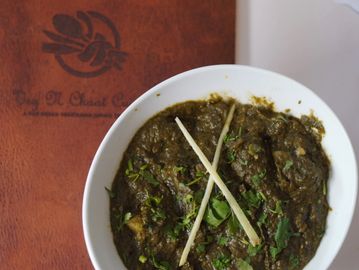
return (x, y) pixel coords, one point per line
(67, 71)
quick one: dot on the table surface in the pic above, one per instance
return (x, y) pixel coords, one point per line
(317, 44)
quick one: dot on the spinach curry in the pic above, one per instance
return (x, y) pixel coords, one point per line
(273, 164)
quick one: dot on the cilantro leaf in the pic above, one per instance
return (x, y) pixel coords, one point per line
(281, 237)
(142, 259)
(278, 208)
(288, 165)
(223, 240)
(243, 265)
(122, 219)
(232, 137)
(179, 169)
(233, 224)
(231, 156)
(283, 233)
(253, 250)
(129, 169)
(150, 178)
(253, 199)
(162, 265)
(221, 208)
(211, 219)
(217, 212)
(274, 252)
(257, 178)
(222, 262)
(262, 218)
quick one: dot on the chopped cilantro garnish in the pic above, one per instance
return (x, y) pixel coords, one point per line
(221, 208)
(262, 219)
(199, 176)
(257, 178)
(129, 167)
(217, 212)
(222, 240)
(243, 265)
(121, 219)
(162, 265)
(229, 138)
(188, 199)
(211, 219)
(233, 224)
(143, 167)
(197, 179)
(187, 219)
(149, 177)
(244, 241)
(262, 195)
(153, 203)
(283, 233)
(142, 259)
(130, 173)
(143, 172)
(274, 251)
(231, 156)
(173, 233)
(288, 165)
(278, 208)
(281, 237)
(179, 169)
(253, 199)
(253, 250)
(158, 214)
(232, 137)
(262, 174)
(134, 176)
(222, 262)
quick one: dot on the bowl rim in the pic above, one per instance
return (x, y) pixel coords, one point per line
(148, 93)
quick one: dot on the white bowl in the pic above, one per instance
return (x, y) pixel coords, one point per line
(240, 82)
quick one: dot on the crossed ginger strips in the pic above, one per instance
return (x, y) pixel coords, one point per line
(215, 178)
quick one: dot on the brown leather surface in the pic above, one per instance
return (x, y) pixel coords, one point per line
(61, 87)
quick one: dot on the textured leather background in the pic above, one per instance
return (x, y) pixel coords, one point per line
(45, 146)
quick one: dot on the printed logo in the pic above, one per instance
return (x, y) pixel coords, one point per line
(80, 49)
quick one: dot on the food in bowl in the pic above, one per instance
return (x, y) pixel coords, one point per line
(272, 163)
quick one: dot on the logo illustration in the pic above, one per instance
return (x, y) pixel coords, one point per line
(80, 49)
